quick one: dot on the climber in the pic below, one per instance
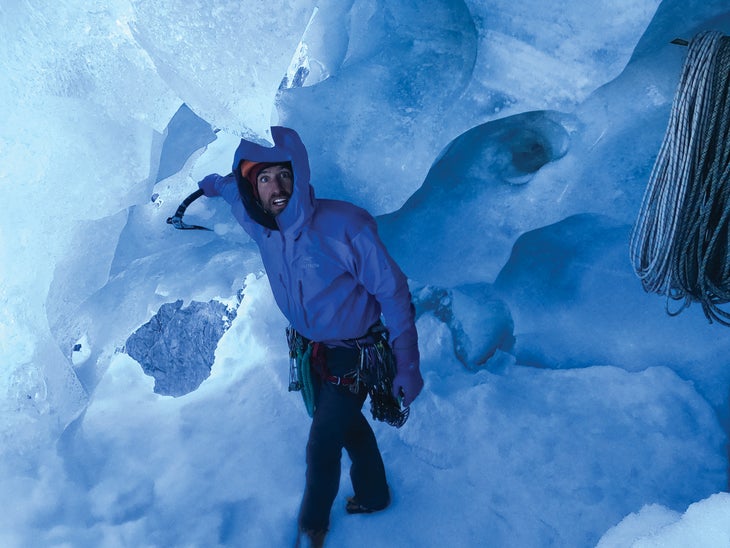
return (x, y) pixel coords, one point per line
(332, 278)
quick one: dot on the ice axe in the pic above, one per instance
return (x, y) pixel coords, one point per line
(176, 220)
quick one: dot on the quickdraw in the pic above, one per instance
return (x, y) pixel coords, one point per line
(377, 369)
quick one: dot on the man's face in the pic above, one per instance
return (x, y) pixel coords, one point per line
(274, 185)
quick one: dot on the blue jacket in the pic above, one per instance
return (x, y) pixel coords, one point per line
(329, 271)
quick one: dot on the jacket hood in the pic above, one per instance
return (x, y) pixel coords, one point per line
(288, 147)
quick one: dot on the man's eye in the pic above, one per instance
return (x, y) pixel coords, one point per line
(264, 179)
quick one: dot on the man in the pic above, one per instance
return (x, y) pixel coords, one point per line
(332, 278)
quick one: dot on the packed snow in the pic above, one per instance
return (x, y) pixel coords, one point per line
(503, 146)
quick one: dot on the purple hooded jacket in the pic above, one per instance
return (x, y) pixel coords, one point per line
(329, 271)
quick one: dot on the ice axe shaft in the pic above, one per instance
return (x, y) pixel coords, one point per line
(177, 219)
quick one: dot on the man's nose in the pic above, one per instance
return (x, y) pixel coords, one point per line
(279, 181)
(274, 184)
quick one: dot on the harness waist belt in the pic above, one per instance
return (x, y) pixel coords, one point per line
(340, 381)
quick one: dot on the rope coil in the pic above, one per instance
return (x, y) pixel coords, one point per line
(679, 244)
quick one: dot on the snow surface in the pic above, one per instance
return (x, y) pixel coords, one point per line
(505, 147)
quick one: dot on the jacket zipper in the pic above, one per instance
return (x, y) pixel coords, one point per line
(301, 301)
(295, 307)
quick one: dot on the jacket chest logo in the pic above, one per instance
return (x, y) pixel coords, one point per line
(308, 263)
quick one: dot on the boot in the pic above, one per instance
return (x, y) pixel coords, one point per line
(354, 507)
(310, 539)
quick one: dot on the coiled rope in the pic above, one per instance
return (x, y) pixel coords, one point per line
(679, 243)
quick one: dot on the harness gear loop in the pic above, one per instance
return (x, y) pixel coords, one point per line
(300, 370)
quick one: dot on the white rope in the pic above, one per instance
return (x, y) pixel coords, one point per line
(652, 247)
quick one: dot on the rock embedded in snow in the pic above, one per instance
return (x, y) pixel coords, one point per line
(177, 346)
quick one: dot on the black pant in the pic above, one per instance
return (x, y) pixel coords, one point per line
(338, 422)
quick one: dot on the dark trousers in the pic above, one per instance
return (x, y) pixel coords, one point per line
(338, 422)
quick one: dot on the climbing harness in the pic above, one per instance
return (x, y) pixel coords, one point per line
(374, 372)
(176, 220)
(679, 243)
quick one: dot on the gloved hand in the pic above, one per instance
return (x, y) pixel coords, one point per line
(208, 185)
(408, 381)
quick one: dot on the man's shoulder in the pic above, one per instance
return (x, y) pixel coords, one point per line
(342, 211)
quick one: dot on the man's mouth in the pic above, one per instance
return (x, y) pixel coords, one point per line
(277, 202)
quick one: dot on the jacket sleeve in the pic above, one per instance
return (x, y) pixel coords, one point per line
(376, 270)
(215, 185)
